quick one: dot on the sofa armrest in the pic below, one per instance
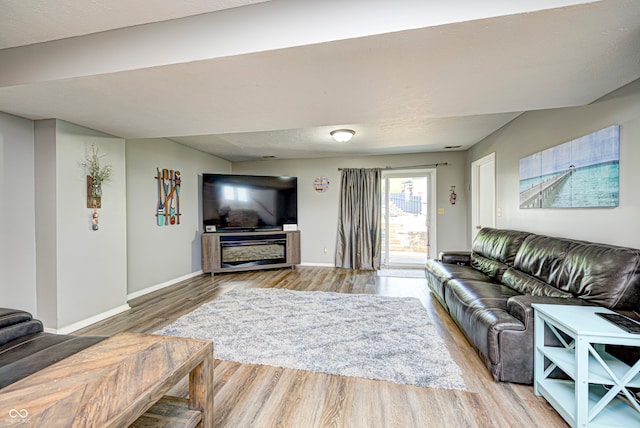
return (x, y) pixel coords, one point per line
(16, 323)
(520, 306)
(456, 257)
(16, 331)
(9, 317)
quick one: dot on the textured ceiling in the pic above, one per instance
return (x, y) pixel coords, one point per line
(274, 78)
(26, 22)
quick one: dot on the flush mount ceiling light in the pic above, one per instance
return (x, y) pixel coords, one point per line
(342, 135)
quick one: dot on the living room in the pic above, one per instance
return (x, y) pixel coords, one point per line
(76, 257)
(53, 265)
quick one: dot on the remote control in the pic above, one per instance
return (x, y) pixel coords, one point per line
(623, 322)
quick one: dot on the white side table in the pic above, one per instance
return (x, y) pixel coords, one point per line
(590, 398)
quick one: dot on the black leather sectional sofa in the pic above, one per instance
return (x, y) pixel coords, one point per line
(25, 348)
(489, 290)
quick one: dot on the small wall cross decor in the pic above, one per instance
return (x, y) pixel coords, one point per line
(168, 208)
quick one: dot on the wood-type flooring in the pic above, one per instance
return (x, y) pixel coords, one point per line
(247, 395)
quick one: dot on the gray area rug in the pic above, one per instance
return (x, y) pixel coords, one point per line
(361, 335)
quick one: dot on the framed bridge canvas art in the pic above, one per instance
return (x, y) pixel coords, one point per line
(582, 173)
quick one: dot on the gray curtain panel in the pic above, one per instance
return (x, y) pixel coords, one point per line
(359, 219)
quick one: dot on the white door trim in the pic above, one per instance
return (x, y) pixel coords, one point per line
(475, 194)
(432, 202)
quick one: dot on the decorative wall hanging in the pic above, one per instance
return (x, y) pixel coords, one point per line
(321, 184)
(452, 195)
(581, 173)
(96, 176)
(168, 209)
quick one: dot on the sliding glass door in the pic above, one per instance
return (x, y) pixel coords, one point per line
(408, 217)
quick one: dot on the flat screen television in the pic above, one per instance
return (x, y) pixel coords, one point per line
(232, 202)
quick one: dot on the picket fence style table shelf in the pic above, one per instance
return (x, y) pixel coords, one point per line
(596, 393)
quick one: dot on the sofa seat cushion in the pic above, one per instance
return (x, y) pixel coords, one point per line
(445, 271)
(438, 273)
(478, 294)
(531, 286)
(29, 354)
(492, 268)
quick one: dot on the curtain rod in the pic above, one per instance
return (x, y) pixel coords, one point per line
(388, 168)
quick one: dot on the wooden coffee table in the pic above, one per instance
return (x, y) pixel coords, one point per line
(113, 383)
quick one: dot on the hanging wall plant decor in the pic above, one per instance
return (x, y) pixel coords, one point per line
(168, 208)
(96, 176)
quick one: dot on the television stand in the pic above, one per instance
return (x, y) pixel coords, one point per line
(245, 251)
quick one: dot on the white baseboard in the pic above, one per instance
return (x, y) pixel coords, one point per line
(96, 318)
(88, 321)
(162, 285)
(317, 264)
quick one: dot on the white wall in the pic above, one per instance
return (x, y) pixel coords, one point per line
(92, 265)
(158, 255)
(75, 275)
(318, 212)
(81, 273)
(539, 130)
(46, 229)
(17, 218)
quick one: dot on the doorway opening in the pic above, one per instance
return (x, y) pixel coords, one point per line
(483, 194)
(408, 218)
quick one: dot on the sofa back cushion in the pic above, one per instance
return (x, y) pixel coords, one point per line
(494, 250)
(602, 274)
(542, 257)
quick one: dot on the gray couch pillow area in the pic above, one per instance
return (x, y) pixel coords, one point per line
(604, 275)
